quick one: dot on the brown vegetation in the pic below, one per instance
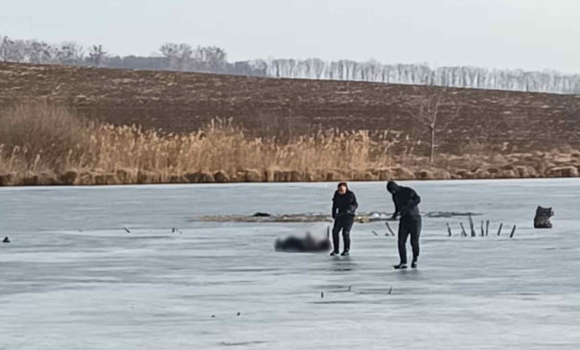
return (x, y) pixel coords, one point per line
(44, 144)
(509, 122)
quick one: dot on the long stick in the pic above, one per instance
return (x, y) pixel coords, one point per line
(513, 232)
(449, 230)
(389, 228)
(499, 231)
(463, 233)
(471, 226)
(487, 228)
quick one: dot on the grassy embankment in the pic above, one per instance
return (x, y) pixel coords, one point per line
(41, 144)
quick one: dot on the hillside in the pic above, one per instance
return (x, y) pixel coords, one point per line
(183, 102)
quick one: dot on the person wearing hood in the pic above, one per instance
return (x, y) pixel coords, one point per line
(344, 206)
(406, 202)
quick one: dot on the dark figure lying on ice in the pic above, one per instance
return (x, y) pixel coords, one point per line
(307, 244)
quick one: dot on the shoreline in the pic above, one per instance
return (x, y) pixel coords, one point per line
(120, 178)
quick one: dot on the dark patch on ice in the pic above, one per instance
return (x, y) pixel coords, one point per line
(243, 343)
(252, 269)
(150, 237)
(342, 269)
(332, 287)
(375, 291)
(560, 248)
(229, 282)
(341, 302)
(449, 214)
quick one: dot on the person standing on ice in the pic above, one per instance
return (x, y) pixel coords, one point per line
(406, 202)
(344, 206)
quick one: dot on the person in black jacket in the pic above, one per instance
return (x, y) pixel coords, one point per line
(344, 207)
(406, 206)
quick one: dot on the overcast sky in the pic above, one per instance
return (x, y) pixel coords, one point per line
(529, 34)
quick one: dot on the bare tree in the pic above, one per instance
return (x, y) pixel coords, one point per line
(427, 112)
(306, 67)
(177, 56)
(70, 54)
(184, 56)
(12, 50)
(38, 52)
(4, 48)
(276, 68)
(259, 67)
(333, 71)
(168, 51)
(210, 59)
(96, 55)
(319, 66)
(373, 67)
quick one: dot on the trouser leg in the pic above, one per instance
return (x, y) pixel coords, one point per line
(346, 227)
(415, 234)
(335, 235)
(402, 241)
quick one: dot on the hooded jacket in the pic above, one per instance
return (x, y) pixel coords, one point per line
(406, 200)
(344, 204)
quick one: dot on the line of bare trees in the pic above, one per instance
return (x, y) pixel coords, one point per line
(422, 74)
(170, 56)
(38, 52)
(184, 57)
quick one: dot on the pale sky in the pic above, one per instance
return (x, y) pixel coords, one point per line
(528, 34)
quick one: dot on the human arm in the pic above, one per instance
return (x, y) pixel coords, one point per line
(334, 207)
(397, 209)
(353, 204)
(413, 201)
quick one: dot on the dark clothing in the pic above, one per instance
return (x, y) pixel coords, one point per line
(343, 223)
(344, 204)
(409, 226)
(344, 208)
(406, 202)
(406, 205)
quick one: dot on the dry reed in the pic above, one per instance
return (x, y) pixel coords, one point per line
(46, 144)
(41, 138)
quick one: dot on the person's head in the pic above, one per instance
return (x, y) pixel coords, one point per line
(342, 188)
(392, 187)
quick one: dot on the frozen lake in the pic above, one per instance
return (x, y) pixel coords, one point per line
(73, 278)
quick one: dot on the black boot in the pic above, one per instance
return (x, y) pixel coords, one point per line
(335, 253)
(401, 266)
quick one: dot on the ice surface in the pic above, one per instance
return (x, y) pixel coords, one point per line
(73, 278)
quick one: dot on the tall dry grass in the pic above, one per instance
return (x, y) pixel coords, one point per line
(41, 138)
(43, 144)
(40, 135)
